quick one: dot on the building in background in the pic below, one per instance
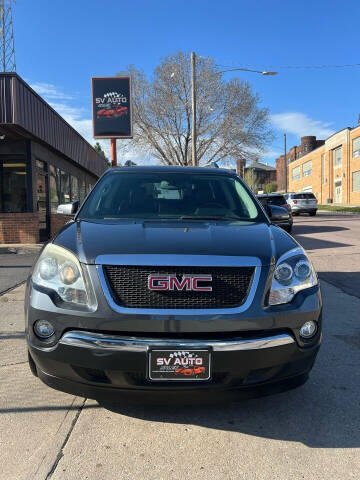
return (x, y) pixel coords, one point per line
(43, 162)
(258, 175)
(331, 171)
(308, 144)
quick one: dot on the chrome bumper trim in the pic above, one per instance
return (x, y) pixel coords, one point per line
(99, 341)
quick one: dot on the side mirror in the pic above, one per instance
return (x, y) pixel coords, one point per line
(68, 208)
(276, 213)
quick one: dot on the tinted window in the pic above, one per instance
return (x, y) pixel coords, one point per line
(303, 196)
(276, 200)
(169, 195)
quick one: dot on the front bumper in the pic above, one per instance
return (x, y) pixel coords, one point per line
(303, 209)
(103, 354)
(115, 368)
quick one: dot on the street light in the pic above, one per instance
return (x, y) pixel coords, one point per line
(264, 72)
(193, 97)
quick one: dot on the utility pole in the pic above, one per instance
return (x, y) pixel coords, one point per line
(286, 169)
(7, 46)
(193, 109)
(113, 152)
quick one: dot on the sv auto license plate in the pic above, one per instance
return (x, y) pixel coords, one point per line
(179, 364)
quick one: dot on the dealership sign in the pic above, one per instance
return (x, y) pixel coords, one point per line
(112, 113)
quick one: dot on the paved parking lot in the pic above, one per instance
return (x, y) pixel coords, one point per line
(309, 433)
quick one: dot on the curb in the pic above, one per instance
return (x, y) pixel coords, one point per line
(339, 213)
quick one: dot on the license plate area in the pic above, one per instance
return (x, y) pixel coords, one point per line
(179, 365)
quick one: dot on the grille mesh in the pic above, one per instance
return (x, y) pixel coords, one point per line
(129, 286)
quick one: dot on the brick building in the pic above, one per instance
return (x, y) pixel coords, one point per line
(43, 162)
(308, 144)
(261, 174)
(331, 171)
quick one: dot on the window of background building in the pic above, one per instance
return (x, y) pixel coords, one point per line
(55, 188)
(307, 168)
(295, 173)
(356, 181)
(82, 191)
(323, 168)
(13, 186)
(65, 187)
(74, 189)
(356, 147)
(337, 157)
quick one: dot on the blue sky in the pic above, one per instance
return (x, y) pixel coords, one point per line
(61, 44)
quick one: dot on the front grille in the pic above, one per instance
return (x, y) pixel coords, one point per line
(129, 287)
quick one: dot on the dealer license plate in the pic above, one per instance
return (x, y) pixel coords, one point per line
(179, 364)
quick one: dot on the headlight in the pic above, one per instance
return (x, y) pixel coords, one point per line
(59, 270)
(293, 272)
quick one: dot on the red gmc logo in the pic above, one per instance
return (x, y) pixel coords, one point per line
(171, 282)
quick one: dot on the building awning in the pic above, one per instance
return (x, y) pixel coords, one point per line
(24, 114)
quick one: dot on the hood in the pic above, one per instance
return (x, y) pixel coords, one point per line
(90, 239)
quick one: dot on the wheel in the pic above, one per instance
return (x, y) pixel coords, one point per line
(312, 214)
(288, 228)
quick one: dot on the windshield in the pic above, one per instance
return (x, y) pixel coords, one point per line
(158, 195)
(303, 196)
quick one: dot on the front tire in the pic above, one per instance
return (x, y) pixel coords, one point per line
(312, 214)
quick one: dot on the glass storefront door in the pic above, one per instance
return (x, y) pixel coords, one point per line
(42, 200)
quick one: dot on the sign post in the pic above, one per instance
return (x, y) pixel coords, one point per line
(112, 110)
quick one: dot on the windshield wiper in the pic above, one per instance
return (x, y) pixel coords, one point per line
(194, 217)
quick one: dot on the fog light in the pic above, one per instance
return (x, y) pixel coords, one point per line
(308, 329)
(43, 329)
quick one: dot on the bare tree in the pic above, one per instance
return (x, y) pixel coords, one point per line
(252, 180)
(230, 124)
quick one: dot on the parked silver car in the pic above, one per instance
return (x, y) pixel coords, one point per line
(302, 203)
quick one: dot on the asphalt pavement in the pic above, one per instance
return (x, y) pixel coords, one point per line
(309, 433)
(14, 269)
(333, 242)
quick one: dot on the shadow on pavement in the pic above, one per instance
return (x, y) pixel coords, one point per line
(304, 229)
(313, 415)
(348, 282)
(310, 243)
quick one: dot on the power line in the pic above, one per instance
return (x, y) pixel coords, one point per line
(346, 65)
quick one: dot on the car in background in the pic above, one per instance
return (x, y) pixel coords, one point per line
(279, 200)
(302, 203)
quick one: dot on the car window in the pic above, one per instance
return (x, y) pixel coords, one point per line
(303, 196)
(169, 195)
(276, 200)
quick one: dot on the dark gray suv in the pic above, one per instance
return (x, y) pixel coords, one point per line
(172, 284)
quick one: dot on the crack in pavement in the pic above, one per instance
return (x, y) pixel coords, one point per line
(61, 450)
(10, 364)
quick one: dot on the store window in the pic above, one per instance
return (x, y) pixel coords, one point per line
(356, 147)
(65, 196)
(307, 168)
(356, 181)
(295, 173)
(82, 190)
(337, 157)
(74, 189)
(13, 186)
(55, 189)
